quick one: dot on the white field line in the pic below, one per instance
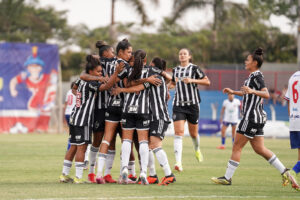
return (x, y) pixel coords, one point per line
(172, 197)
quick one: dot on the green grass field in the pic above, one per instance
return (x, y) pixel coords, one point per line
(31, 164)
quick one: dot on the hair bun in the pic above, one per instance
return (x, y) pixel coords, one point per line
(125, 40)
(259, 51)
(100, 44)
(89, 58)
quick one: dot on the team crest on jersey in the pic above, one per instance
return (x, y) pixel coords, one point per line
(146, 122)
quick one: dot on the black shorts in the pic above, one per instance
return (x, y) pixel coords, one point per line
(158, 128)
(80, 135)
(250, 129)
(113, 115)
(189, 113)
(99, 120)
(135, 121)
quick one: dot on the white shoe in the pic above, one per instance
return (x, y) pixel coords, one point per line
(124, 175)
(143, 178)
(178, 167)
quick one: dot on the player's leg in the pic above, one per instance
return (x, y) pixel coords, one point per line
(127, 135)
(193, 130)
(109, 161)
(178, 121)
(223, 135)
(233, 163)
(295, 144)
(233, 131)
(79, 162)
(144, 153)
(65, 177)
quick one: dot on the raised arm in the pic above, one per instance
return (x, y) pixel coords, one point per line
(230, 91)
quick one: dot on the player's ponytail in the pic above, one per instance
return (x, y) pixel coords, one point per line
(257, 56)
(139, 57)
(91, 63)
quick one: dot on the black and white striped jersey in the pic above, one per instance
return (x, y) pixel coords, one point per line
(159, 100)
(82, 113)
(138, 103)
(252, 109)
(186, 94)
(102, 98)
(118, 100)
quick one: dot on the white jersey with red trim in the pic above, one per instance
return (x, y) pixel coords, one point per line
(292, 95)
(71, 101)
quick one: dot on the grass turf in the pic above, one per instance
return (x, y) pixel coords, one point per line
(31, 164)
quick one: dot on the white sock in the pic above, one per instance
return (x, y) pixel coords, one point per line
(93, 156)
(163, 160)
(178, 148)
(151, 164)
(131, 167)
(231, 167)
(67, 167)
(109, 161)
(79, 169)
(144, 153)
(101, 163)
(277, 164)
(87, 152)
(126, 149)
(196, 142)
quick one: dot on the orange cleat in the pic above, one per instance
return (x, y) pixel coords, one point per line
(92, 178)
(153, 179)
(221, 147)
(109, 179)
(167, 180)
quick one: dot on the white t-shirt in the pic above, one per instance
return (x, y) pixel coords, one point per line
(231, 112)
(71, 101)
(292, 95)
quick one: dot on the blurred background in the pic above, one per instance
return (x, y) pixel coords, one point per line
(219, 33)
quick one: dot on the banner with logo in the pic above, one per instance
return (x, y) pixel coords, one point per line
(28, 83)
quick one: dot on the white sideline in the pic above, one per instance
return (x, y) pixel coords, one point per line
(169, 197)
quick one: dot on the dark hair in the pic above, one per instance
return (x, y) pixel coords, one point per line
(190, 53)
(164, 64)
(139, 57)
(92, 63)
(102, 46)
(157, 62)
(257, 56)
(72, 84)
(122, 45)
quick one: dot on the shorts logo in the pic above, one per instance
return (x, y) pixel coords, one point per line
(253, 130)
(174, 116)
(97, 124)
(146, 122)
(106, 114)
(154, 132)
(78, 137)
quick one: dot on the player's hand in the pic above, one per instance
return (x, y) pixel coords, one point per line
(246, 90)
(120, 67)
(116, 91)
(228, 91)
(187, 80)
(103, 79)
(154, 80)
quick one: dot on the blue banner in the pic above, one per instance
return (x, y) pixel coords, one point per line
(28, 83)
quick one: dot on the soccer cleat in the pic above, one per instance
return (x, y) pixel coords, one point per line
(221, 180)
(131, 177)
(290, 177)
(152, 179)
(78, 180)
(100, 180)
(65, 179)
(178, 167)
(109, 179)
(124, 175)
(221, 147)
(86, 165)
(91, 178)
(167, 180)
(143, 178)
(199, 155)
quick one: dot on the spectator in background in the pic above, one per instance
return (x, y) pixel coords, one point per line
(282, 95)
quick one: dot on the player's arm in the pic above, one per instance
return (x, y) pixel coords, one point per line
(113, 79)
(222, 114)
(132, 89)
(263, 93)
(151, 79)
(230, 91)
(288, 106)
(12, 87)
(87, 77)
(204, 81)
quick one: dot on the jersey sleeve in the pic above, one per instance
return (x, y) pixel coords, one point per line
(77, 82)
(68, 93)
(224, 103)
(123, 74)
(199, 74)
(259, 82)
(173, 75)
(287, 94)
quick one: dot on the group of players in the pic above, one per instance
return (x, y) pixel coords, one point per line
(121, 94)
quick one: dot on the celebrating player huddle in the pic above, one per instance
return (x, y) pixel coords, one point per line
(121, 94)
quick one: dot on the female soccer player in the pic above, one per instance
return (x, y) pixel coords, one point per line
(81, 118)
(230, 112)
(253, 120)
(186, 79)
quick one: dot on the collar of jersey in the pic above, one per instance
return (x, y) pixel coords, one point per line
(254, 72)
(185, 66)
